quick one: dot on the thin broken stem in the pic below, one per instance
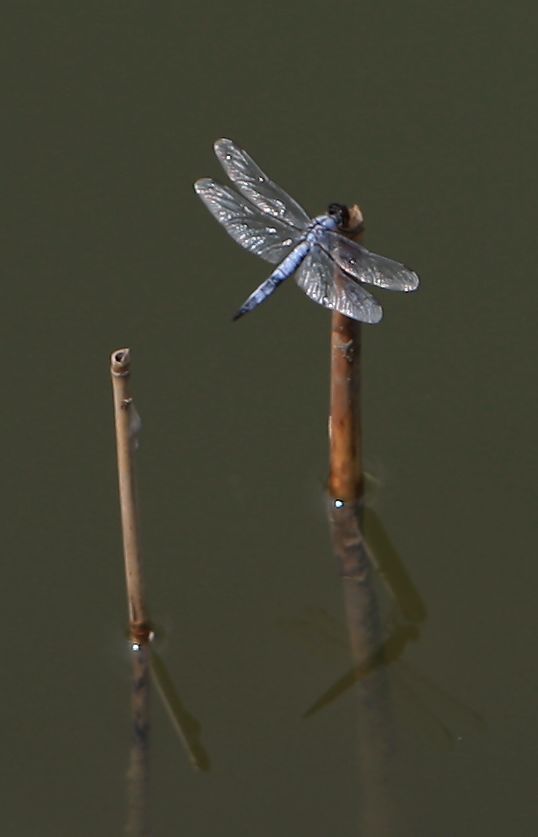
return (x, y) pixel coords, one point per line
(127, 422)
(345, 431)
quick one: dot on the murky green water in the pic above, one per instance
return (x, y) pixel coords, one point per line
(425, 115)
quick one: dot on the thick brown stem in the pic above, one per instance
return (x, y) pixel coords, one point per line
(345, 432)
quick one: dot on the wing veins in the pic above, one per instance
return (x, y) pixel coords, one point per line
(269, 238)
(257, 188)
(349, 297)
(364, 266)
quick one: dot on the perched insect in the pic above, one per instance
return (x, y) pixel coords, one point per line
(329, 267)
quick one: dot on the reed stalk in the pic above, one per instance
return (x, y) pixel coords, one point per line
(127, 426)
(345, 431)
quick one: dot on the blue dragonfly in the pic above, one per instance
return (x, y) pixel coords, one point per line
(329, 267)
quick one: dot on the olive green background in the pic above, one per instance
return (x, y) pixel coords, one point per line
(424, 113)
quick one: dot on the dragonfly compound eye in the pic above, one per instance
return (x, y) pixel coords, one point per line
(340, 212)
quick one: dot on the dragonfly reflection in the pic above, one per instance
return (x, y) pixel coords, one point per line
(329, 267)
(438, 709)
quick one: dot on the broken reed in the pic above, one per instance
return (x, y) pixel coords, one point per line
(126, 419)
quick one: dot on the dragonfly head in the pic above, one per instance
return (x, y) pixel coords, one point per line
(340, 213)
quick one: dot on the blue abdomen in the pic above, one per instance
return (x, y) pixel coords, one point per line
(292, 261)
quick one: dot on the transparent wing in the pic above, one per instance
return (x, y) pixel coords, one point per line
(358, 262)
(254, 185)
(267, 238)
(322, 281)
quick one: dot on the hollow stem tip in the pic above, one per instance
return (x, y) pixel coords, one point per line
(355, 224)
(120, 362)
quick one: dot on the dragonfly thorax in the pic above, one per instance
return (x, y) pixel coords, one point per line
(319, 227)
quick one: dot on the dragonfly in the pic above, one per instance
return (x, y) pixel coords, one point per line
(330, 268)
